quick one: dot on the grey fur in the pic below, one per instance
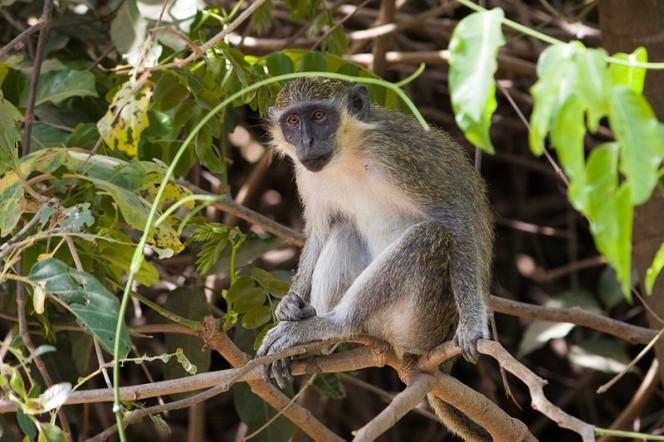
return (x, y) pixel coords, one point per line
(416, 288)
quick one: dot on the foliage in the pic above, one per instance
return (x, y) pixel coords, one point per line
(576, 88)
(98, 196)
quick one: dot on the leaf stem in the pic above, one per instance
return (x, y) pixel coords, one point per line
(554, 41)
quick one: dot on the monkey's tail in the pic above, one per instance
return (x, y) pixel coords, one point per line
(457, 422)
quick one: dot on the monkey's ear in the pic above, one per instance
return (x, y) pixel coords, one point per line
(358, 102)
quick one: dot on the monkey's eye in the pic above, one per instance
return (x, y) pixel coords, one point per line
(318, 116)
(293, 120)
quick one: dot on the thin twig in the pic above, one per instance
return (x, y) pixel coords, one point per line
(633, 362)
(34, 80)
(640, 398)
(18, 40)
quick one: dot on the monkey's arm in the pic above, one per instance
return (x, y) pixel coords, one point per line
(395, 295)
(469, 280)
(301, 283)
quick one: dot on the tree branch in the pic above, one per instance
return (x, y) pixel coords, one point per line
(34, 80)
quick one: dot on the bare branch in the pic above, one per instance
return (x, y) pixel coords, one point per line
(535, 385)
(402, 403)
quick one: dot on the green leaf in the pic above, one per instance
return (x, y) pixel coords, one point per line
(312, 61)
(539, 333)
(11, 194)
(85, 135)
(655, 269)
(567, 137)
(41, 350)
(27, 426)
(610, 211)
(74, 219)
(607, 355)
(184, 362)
(9, 135)
(126, 118)
(244, 294)
(135, 211)
(557, 74)
(276, 287)
(256, 316)
(261, 19)
(51, 433)
(45, 135)
(57, 86)
(93, 305)
(278, 64)
(637, 132)
(473, 50)
(629, 76)
(592, 84)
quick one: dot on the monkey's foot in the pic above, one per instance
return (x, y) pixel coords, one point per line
(293, 308)
(280, 338)
(466, 338)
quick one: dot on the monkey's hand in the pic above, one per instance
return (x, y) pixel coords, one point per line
(283, 336)
(293, 308)
(467, 335)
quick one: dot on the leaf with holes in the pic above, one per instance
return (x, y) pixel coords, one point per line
(473, 50)
(126, 118)
(95, 308)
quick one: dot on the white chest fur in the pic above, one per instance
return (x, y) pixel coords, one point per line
(380, 210)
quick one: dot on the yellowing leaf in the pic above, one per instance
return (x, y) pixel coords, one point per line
(126, 118)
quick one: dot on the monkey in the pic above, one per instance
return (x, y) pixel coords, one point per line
(399, 234)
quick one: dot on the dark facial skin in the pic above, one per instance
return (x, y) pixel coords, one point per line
(311, 128)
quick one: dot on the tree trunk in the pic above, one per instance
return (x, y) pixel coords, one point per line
(625, 26)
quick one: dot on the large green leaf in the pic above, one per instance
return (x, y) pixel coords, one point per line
(473, 51)
(610, 211)
(567, 137)
(592, 83)
(629, 76)
(9, 134)
(57, 86)
(94, 306)
(637, 131)
(557, 74)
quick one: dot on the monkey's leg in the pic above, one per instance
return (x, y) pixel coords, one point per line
(341, 259)
(403, 271)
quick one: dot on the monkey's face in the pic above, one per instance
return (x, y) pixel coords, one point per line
(311, 128)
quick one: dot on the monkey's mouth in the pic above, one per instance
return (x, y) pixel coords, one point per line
(315, 164)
